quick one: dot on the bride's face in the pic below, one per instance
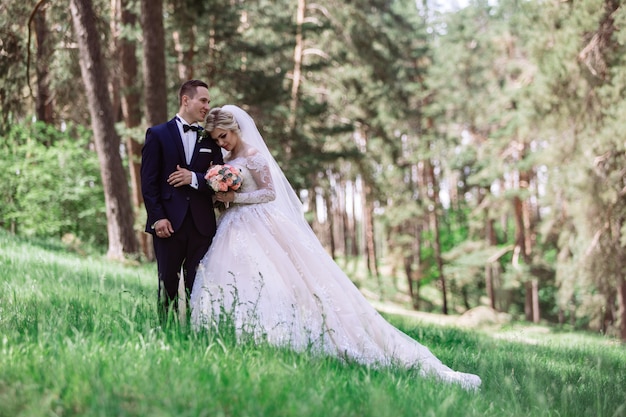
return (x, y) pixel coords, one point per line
(226, 139)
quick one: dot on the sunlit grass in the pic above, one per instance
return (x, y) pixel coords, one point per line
(79, 337)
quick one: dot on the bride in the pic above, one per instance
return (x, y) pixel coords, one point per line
(267, 274)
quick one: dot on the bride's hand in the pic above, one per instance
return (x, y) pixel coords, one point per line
(225, 197)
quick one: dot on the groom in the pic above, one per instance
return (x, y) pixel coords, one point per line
(178, 200)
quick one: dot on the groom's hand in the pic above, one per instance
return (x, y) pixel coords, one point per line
(180, 177)
(163, 228)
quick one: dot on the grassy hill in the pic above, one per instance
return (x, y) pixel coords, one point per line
(79, 337)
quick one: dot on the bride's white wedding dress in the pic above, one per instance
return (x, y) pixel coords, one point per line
(267, 274)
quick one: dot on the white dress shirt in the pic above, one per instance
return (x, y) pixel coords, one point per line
(189, 143)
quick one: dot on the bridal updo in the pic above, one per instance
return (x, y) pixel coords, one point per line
(221, 119)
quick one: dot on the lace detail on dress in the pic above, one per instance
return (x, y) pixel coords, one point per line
(257, 186)
(267, 276)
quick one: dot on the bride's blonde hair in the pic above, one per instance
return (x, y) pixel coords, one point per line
(217, 118)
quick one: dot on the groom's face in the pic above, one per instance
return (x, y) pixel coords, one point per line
(196, 108)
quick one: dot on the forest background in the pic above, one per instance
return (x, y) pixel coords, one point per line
(467, 157)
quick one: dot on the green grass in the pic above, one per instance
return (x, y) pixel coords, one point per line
(79, 337)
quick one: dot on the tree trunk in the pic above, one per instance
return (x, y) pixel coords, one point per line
(339, 213)
(330, 217)
(155, 86)
(489, 285)
(353, 225)
(114, 55)
(621, 299)
(315, 221)
(490, 235)
(520, 249)
(119, 211)
(492, 273)
(621, 280)
(434, 226)
(184, 44)
(345, 218)
(44, 108)
(413, 289)
(523, 241)
(370, 241)
(413, 265)
(535, 299)
(528, 243)
(131, 111)
(297, 66)
(131, 98)
(349, 233)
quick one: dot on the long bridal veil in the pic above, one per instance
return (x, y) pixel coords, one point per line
(267, 269)
(286, 200)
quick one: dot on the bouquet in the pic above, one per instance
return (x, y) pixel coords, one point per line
(224, 178)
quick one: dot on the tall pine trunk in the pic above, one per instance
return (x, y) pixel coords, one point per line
(621, 279)
(621, 297)
(297, 66)
(44, 108)
(154, 80)
(434, 226)
(184, 39)
(368, 228)
(131, 112)
(119, 212)
(330, 218)
(413, 267)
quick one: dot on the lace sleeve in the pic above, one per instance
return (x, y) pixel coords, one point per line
(260, 172)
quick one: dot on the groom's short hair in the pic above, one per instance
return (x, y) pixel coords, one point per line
(189, 89)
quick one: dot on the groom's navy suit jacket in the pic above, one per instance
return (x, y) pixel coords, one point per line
(162, 151)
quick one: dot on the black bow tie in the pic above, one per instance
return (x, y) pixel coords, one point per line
(187, 128)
